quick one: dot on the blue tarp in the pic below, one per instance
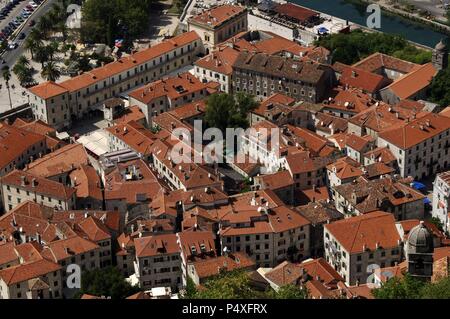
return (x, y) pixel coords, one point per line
(426, 200)
(323, 30)
(418, 185)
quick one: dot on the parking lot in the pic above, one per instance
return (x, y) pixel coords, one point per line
(13, 15)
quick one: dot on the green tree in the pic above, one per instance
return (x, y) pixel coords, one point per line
(6, 74)
(33, 42)
(190, 290)
(229, 285)
(350, 48)
(400, 288)
(106, 20)
(438, 290)
(51, 71)
(439, 89)
(289, 292)
(106, 282)
(23, 72)
(437, 222)
(225, 110)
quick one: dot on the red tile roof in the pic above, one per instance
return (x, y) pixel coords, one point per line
(173, 88)
(43, 186)
(156, 245)
(15, 142)
(416, 131)
(47, 90)
(415, 81)
(358, 78)
(212, 266)
(216, 16)
(60, 161)
(24, 272)
(365, 232)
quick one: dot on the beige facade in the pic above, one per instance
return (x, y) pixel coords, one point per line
(14, 195)
(59, 111)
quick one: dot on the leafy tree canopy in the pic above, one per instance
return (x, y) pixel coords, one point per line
(225, 110)
(106, 282)
(439, 89)
(350, 48)
(410, 288)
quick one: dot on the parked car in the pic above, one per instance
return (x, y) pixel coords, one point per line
(12, 45)
(32, 23)
(22, 36)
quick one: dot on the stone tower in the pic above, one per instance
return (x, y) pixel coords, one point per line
(440, 56)
(420, 252)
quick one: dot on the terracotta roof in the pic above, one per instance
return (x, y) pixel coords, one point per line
(359, 143)
(43, 186)
(47, 90)
(348, 100)
(36, 126)
(294, 11)
(156, 245)
(311, 141)
(445, 112)
(23, 272)
(216, 16)
(303, 162)
(65, 248)
(87, 182)
(7, 253)
(365, 232)
(378, 62)
(408, 85)
(173, 88)
(220, 61)
(416, 131)
(359, 78)
(345, 168)
(189, 110)
(369, 195)
(15, 142)
(132, 181)
(330, 124)
(277, 180)
(210, 267)
(132, 113)
(313, 194)
(196, 245)
(135, 135)
(94, 229)
(382, 116)
(319, 212)
(381, 154)
(60, 161)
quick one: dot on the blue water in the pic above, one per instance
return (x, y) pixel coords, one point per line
(356, 13)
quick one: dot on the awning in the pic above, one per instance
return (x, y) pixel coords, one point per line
(418, 185)
(323, 30)
(426, 200)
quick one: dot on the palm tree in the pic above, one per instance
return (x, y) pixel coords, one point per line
(22, 71)
(45, 25)
(51, 71)
(22, 60)
(33, 42)
(7, 76)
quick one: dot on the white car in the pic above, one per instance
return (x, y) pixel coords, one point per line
(34, 5)
(12, 45)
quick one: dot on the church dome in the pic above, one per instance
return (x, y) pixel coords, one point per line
(440, 46)
(420, 240)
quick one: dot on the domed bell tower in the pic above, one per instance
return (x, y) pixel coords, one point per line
(420, 252)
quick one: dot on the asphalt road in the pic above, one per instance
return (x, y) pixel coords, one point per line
(10, 56)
